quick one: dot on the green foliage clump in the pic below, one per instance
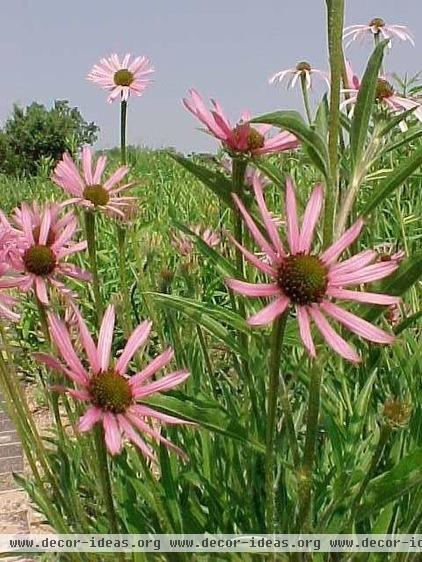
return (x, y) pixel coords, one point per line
(37, 137)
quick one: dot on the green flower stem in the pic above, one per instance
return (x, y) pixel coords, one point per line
(121, 232)
(238, 179)
(305, 473)
(123, 126)
(92, 253)
(290, 426)
(335, 13)
(56, 379)
(106, 480)
(305, 96)
(277, 335)
(382, 441)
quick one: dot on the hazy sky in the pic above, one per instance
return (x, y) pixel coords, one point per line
(225, 48)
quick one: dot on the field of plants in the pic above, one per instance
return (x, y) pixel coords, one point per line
(226, 343)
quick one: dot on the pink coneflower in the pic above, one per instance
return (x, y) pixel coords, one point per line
(88, 189)
(123, 78)
(38, 259)
(384, 95)
(243, 138)
(301, 70)
(309, 282)
(111, 395)
(377, 28)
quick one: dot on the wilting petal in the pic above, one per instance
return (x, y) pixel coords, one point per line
(357, 325)
(131, 434)
(253, 289)
(41, 290)
(333, 339)
(270, 312)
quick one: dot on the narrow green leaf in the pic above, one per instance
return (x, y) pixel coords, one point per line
(396, 120)
(364, 104)
(412, 134)
(312, 141)
(209, 415)
(400, 480)
(272, 172)
(394, 180)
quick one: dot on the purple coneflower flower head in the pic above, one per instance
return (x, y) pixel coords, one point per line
(88, 187)
(111, 396)
(39, 259)
(385, 96)
(240, 139)
(302, 70)
(309, 282)
(122, 77)
(377, 27)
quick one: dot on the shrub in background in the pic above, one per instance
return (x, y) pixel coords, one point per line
(36, 135)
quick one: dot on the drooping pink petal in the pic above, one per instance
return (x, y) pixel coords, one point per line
(366, 274)
(253, 289)
(146, 411)
(310, 218)
(41, 290)
(333, 339)
(89, 419)
(113, 437)
(87, 342)
(105, 337)
(354, 263)
(131, 434)
(305, 329)
(136, 340)
(254, 260)
(291, 216)
(357, 325)
(270, 312)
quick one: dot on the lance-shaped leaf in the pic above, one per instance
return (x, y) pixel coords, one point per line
(312, 141)
(394, 180)
(364, 104)
(206, 414)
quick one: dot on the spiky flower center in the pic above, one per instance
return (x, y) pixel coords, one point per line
(111, 392)
(51, 236)
(39, 260)
(123, 77)
(377, 22)
(96, 194)
(303, 279)
(254, 138)
(303, 67)
(396, 412)
(384, 90)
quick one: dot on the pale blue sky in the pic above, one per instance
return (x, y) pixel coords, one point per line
(225, 48)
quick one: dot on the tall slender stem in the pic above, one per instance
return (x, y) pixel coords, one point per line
(272, 394)
(238, 179)
(305, 475)
(335, 13)
(305, 96)
(106, 479)
(92, 252)
(121, 232)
